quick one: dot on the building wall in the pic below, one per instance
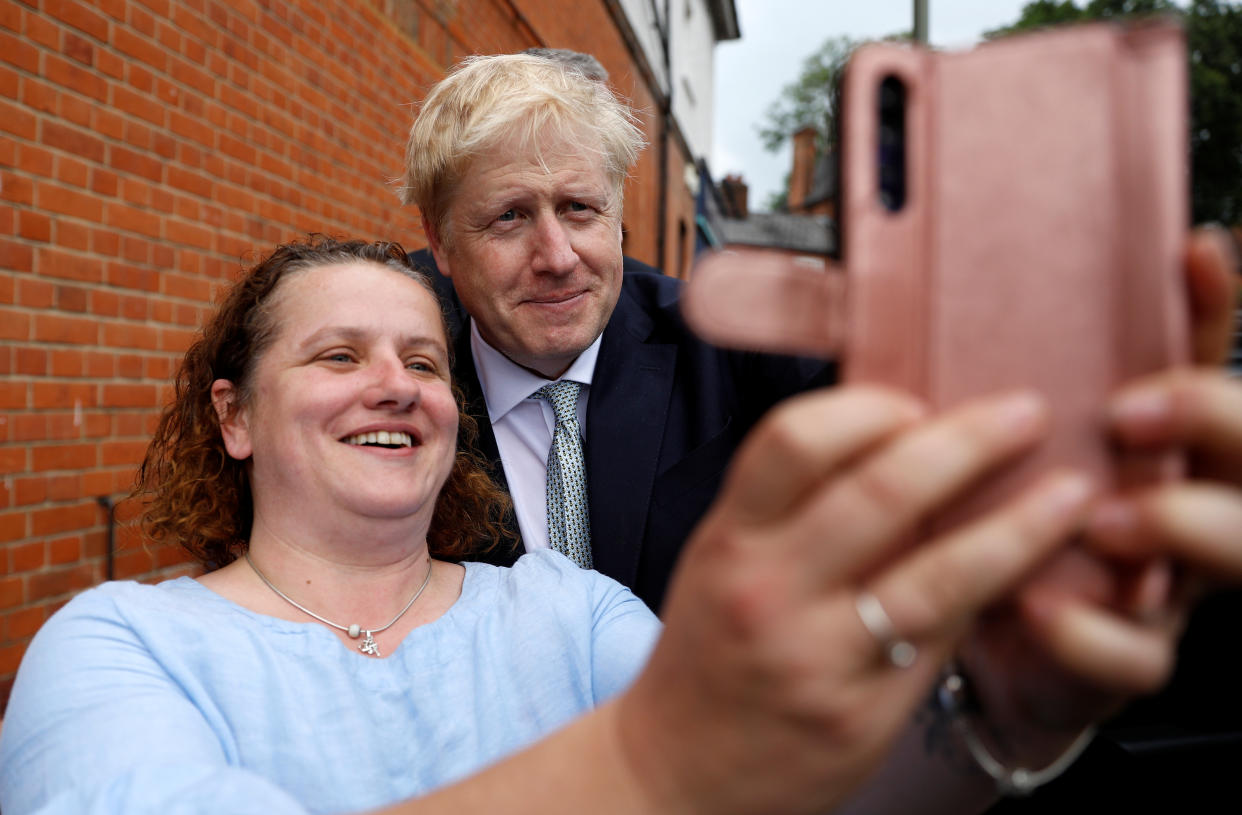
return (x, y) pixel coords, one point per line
(147, 148)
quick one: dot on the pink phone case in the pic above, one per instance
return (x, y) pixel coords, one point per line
(1040, 244)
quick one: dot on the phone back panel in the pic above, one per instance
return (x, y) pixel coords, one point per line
(1040, 243)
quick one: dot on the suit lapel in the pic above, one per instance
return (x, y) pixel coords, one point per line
(626, 415)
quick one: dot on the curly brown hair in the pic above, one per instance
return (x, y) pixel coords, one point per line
(198, 495)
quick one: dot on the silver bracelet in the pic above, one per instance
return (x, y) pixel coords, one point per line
(954, 698)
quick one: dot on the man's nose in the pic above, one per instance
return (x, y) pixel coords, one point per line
(553, 251)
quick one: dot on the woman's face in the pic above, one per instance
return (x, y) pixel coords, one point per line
(351, 407)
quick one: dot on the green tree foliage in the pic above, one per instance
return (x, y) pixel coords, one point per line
(1214, 44)
(811, 100)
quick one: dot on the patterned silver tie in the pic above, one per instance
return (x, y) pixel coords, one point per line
(569, 524)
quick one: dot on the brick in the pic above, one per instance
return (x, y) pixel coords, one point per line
(74, 77)
(39, 95)
(12, 526)
(129, 335)
(136, 104)
(29, 427)
(100, 366)
(23, 623)
(16, 120)
(131, 563)
(61, 519)
(73, 235)
(140, 48)
(72, 172)
(59, 582)
(55, 263)
(104, 303)
(129, 366)
(126, 395)
(131, 277)
(15, 256)
(78, 16)
(12, 459)
(13, 396)
(14, 325)
(67, 362)
(11, 593)
(34, 293)
(62, 395)
(76, 109)
(11, 657)
(78, 49)
(66, 487)
(136, 163)
(105, 242)
(71, 298)
(25, 557)
(132, 219)
(17, 51)
(34, 226)
(65, 201)
(62, 457)
(29, 361)
(117, 453)
(30, 490)
(181, 232)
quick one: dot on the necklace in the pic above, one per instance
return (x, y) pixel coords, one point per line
(367, 646)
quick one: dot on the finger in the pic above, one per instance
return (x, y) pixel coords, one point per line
(1211, 272)
(1196, 522)
(868, 509)
(1107, 650)
(803, 441)
(766, 301)
(1199, 407)
(945, 583)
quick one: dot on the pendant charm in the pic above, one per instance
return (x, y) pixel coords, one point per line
(368, 646)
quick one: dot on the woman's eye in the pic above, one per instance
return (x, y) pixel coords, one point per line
(339, 356)
(420, 366)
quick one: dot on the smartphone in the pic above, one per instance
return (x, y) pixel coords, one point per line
(1015, 216)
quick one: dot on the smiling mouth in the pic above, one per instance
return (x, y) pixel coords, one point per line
(389, 439)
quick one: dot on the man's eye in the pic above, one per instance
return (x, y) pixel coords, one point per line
(508, 215)
(578, 206)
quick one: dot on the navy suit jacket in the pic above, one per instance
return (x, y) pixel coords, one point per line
(666, 412)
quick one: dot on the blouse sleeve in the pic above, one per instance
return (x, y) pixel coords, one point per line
(96, 725)
(624, 633)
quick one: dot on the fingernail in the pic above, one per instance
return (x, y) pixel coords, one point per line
(1067, 494)
(1020, 412)
(1141, 408)
(1113, 519)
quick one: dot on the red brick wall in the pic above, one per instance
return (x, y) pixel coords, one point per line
(146, 148)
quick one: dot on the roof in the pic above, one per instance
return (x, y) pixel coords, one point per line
(780, 230)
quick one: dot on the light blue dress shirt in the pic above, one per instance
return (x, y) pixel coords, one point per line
(171, 699)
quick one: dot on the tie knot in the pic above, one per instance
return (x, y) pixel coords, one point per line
(563, 396)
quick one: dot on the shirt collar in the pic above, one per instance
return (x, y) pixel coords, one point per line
(505, 383)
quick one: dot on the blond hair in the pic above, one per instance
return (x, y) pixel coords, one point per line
(487, 99)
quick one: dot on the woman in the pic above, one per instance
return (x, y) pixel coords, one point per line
(338, 660)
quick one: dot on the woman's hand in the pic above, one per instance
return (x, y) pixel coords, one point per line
(767, 692)
(1102, 622)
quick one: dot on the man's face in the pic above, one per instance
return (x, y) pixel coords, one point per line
(534, 250)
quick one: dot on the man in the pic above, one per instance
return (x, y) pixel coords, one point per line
(521, 199)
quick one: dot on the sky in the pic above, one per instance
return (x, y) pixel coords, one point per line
(778, 35)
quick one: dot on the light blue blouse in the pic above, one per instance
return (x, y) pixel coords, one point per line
(170, 699)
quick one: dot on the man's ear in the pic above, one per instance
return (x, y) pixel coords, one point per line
(436, 245)
(232, 418)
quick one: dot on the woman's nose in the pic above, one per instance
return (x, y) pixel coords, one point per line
(392, 385)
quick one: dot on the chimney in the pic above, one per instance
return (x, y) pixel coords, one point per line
(735, 193)
(803, 168)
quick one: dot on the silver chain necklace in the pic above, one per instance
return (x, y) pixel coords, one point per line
(367, 646)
